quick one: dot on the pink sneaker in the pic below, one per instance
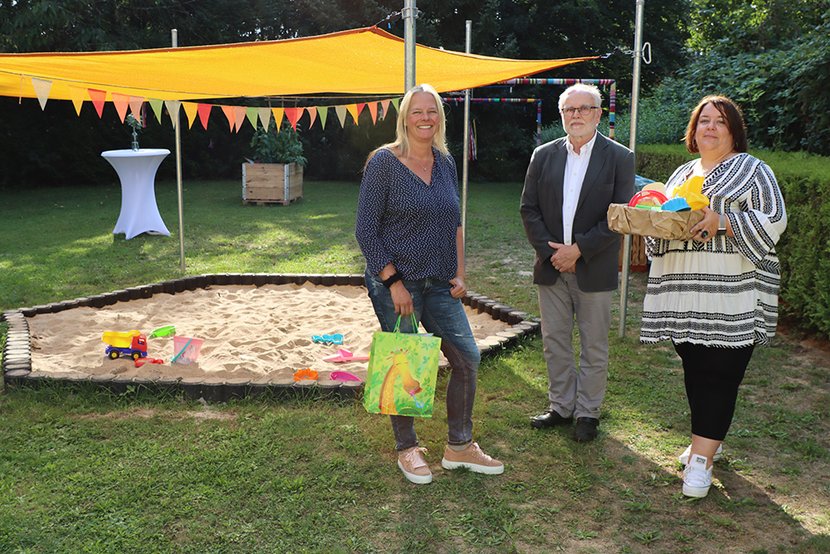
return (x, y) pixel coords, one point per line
(473, 458)
(414, 466)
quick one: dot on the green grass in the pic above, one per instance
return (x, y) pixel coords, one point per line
(82, 470)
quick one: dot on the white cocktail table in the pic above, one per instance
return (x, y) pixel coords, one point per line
(137, 171)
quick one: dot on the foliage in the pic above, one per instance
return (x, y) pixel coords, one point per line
(804, 248)
(283, 147)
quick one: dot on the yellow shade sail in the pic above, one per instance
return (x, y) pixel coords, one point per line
(363, 61)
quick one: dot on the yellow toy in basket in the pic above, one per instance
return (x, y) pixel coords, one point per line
(692, 191)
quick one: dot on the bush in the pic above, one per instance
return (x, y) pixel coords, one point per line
(804, 248)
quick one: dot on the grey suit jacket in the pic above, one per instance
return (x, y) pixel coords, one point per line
(608, 179)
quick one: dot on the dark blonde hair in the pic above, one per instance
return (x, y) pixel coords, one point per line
(730, 111)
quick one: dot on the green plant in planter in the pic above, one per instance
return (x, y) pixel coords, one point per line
(273, 147)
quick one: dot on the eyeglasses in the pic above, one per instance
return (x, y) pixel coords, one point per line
(583, 110)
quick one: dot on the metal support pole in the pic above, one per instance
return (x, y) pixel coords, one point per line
(409, 11)
(465, 165)
(632, 144)
(174, 35)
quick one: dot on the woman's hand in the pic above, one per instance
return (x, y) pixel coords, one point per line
(707, 227)
(401, 299)
(459, 289)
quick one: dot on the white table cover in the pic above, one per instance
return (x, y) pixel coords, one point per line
(137, 171)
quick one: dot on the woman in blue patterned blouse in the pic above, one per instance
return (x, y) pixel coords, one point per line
(716, 296)
(408, 227)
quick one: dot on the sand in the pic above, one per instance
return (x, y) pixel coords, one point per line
(250, 334)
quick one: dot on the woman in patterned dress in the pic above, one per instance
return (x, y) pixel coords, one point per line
(408, 228)
(716, 296)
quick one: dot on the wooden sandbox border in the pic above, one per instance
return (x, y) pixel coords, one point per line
(17, 354)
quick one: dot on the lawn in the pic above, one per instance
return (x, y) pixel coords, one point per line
(83, 470)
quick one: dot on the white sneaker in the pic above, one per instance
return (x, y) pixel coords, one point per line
(684, 458)
(696, 478)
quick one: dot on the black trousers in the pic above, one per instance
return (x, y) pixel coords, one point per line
(712, 376)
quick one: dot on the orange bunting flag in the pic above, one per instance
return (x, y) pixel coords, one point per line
(135, 107)
(251, 114)
(341, 115)
(264, 115)
(238, 116)
(42, 88)
(78, 97)
(323, 112)
(204, 114)
(293, 115)
(98, 97)
(190, 110)
(373, 110)
(384, 107)
(156, 105)
(228, 111)
(352, 109)
(312, 115)
(278, 113)
(120, 101)
(173, 107)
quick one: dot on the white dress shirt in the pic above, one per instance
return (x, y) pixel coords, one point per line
(575, 169)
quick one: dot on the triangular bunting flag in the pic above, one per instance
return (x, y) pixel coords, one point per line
(251, 113)
(204, 114)
(120, 101)
(156, 105)
(278, 113)
(373, 111)
(312, 115)
(395, 103)
(264, 115)
(360, 106)
(352, 109)
(293, 116)
(238, 116)
(341, 115)
(135, 107)
(42, 88)
(98, 97)
(190, 110)
(323, 112)
(78, 97)
(384, 106)
(173, 107)
(228, 111)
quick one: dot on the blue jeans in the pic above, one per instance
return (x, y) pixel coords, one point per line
(443, 316)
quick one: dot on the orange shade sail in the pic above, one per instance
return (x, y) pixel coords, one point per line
(362, 61)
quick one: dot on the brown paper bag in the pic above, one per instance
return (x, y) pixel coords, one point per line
(626, 220)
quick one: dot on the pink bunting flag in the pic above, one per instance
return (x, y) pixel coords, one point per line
(293, 115)
(204, 114)
(373, 111)
(239, 116)
(135, 107)
(120, 101)
(99, 98)
(312, 115)
(384, 106)
(42, 88)
(228, 111)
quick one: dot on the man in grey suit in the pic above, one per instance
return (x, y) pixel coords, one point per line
(569, 184)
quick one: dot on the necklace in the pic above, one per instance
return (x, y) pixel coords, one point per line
(424, 165)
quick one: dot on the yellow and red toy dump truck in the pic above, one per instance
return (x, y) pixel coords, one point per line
(132, 344)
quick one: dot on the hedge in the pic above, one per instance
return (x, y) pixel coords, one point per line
(804, 249)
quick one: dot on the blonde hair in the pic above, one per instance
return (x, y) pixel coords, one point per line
(401, 142)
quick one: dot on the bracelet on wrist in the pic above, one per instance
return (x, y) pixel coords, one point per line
(392, 279)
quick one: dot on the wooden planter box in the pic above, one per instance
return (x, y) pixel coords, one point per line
(271, 183)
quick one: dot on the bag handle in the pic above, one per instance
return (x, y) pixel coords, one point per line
(397, 328)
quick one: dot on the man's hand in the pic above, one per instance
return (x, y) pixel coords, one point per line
(564, 257)
(458, 289)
